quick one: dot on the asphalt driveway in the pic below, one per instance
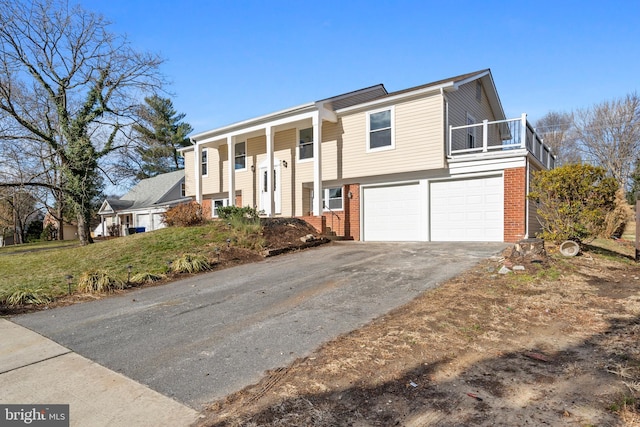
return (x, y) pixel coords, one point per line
(202, 338)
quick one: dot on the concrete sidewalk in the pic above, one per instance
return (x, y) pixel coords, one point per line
(36, 370)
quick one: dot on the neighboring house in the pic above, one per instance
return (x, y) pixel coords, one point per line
(69, 231)
(437, 162)
(143, 206)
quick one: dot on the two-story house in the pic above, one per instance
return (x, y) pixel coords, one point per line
(437, 162)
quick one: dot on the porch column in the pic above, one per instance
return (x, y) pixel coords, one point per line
(197, 159)
(317, 165)
(271, 207)
(231, 149)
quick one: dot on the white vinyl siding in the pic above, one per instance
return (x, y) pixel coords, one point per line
(418, 140)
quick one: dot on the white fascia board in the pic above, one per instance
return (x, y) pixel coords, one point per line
(448, 86)
(257, 122)
(487, 165)
(472, 78)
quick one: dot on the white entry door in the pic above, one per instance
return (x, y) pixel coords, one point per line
(264, 195)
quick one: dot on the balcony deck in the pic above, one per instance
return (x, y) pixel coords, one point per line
(499, 136)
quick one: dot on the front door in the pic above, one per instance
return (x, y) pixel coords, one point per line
(264, 195)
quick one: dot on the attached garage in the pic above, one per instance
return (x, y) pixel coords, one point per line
(469, 209)
(142, 220)
(395, 212)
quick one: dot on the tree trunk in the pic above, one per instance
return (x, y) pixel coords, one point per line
(84, 226)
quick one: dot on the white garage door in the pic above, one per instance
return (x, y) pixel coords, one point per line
(157, 221)
(395, 213)
(467, 210)
(142, 220)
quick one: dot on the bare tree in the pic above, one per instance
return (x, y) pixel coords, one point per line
(555, 129)
(69, 84)
(609, 136)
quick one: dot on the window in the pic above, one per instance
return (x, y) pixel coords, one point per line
(333, 198)
(471, 131)
(241, 155)
(218, 204)
(379, 129)
(203, 162)
(183, 190)
(305, 144)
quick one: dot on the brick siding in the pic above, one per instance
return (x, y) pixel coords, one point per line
(514, 204)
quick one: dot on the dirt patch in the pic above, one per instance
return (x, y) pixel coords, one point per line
(554, 344)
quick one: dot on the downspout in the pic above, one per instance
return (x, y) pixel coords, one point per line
(446, 123)
(526, 201)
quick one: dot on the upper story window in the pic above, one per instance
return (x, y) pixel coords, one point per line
(241, 155)
(305, 144)
(204, 163)
(471, 131)
(380, 129)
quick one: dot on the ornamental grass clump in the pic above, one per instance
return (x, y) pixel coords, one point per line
(146, 278)
(27, 296)
(99, 281)
(190, 263)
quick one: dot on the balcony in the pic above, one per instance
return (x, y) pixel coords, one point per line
(511, 136)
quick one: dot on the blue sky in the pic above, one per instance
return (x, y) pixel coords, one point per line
(234, 60)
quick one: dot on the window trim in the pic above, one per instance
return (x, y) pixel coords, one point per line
(204, 162)
(308, 159)
(325, 199)
(392, 145)
(236, 156)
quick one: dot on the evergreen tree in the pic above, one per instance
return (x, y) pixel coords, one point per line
(159, 133)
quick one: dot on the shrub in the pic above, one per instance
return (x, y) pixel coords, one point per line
(190, 263)
(247, 213)
(245, 224)
(184, 215)
(99, 281)
(573, 201)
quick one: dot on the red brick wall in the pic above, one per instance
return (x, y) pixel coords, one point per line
(514, 204)
(317, 222)
(352, 211)
(344, 223)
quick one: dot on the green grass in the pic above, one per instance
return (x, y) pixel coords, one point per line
(149, 253)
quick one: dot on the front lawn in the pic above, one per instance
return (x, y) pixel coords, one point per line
(44, 267)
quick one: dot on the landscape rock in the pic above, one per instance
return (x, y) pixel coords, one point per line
(504, 270)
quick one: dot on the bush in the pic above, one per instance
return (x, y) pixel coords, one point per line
(190, 263)
(99, 281)
(184, 215)
(245, 224)
(247, 213)
(573, 201)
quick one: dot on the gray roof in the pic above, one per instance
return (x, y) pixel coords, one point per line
(162, 189)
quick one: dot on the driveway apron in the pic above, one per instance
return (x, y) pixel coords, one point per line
(201, 338)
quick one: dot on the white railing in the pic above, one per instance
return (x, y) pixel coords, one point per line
(500, 135)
